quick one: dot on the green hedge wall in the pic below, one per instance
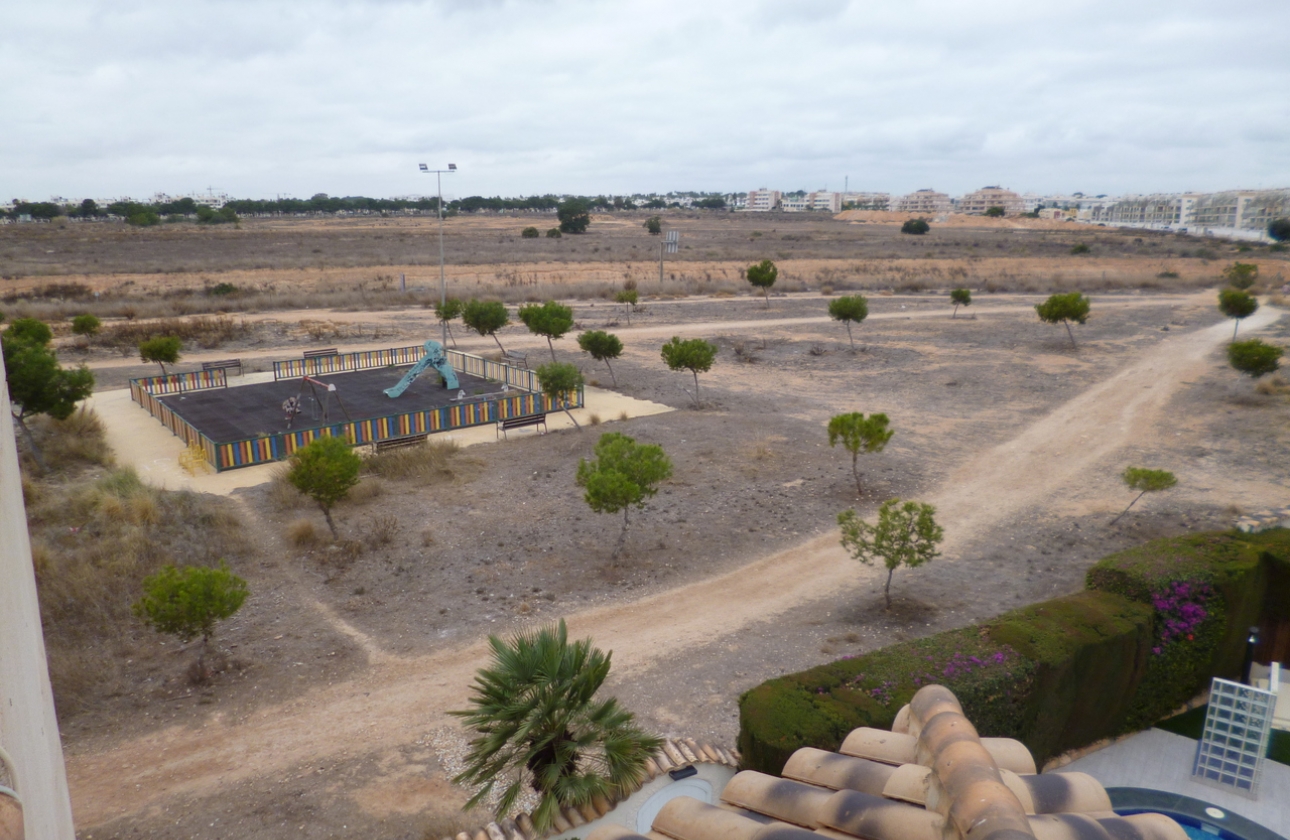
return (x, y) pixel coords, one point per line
(1154, 624)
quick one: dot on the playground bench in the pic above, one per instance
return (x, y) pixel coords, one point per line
(516, 357)
(328, 351)
(224, 364)
(397, 443)
(504, 426)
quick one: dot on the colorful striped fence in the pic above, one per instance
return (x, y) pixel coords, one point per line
(464, 362)
(276, 447)
(245, 453)
(178, 383)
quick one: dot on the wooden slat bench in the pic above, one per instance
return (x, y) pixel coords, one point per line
(397, 443)
(504, 426)
(515, 357)
(224, 364)
(314, 354)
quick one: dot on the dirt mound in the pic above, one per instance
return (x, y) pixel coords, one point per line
(957, 220)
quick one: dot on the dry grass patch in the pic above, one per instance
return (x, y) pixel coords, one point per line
(433, 462)
(95, 537)
(303, 533)
(72, 444)
(1275, 385)
(282, 493)
(205, 332)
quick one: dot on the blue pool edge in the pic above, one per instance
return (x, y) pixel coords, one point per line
(1171, 804)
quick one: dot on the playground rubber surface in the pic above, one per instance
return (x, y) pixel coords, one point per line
(241, 412)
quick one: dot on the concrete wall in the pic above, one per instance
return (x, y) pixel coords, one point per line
(28, 728)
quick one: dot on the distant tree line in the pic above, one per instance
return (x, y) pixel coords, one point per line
(321, 203)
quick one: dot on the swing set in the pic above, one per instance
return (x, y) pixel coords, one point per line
(310, 404)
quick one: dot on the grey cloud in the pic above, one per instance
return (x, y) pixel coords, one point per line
(260, 98)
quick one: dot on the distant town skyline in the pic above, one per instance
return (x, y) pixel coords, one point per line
(254, 99)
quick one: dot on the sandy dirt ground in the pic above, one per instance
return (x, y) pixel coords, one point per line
(1016, 438)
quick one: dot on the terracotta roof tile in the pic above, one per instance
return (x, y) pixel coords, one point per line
(932, 779)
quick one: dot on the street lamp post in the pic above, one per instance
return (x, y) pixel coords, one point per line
(443, 286)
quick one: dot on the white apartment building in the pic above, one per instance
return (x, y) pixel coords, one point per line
(867, 200)
(923, 202)
(1242, 213)
(764, 200)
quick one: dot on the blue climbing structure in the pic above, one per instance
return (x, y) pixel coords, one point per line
(434, 358)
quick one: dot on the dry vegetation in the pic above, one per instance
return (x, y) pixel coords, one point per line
(283, 264)
(96, 532)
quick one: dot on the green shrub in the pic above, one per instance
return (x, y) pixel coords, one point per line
(1155, 624)
(86, 324)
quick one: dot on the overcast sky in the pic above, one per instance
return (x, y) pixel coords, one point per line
(263, 98)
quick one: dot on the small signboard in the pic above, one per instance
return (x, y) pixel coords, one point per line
(672, 241)
(1238, 725)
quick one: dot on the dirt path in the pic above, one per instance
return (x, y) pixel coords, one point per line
(397, 700)
(700, 328)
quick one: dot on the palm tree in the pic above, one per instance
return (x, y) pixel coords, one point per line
(537, 722)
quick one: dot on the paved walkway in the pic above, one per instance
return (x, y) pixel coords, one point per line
(1162, 761)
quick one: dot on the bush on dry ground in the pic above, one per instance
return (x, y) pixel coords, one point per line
(96, 533)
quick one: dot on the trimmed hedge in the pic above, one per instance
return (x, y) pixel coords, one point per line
(1155, 623)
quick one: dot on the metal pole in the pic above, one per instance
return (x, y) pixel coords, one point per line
(443, 286)
(660, 264)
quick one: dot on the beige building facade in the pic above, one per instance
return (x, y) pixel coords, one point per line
(978, 202)
(923, 203)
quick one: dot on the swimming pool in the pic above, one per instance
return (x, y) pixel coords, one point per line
(1201, 820)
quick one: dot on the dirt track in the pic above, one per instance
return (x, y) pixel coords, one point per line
(397, 699)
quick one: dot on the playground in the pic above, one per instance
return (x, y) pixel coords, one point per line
(243, 412)
(365, 397)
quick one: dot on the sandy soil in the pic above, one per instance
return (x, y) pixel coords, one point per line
(733, 573)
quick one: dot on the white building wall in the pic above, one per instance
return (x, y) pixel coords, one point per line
(28, 727)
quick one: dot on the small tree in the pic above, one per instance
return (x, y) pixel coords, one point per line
(1279, 229)
(849, 309)
(1144, 481)
(86, 324)
(38, 384)
(559, 380)
(448, 310)
(762, 276)
(692, 354)
(995, 212)
(1254, 358)
(1241, 275)
(602, 347)
(654, 225)
(530, 233)
(1080, 248)
(325, 470)
(917, 227)
(960, 297)
(1237, 305)
(553, 233)
(857, 434)
(486, 317)
(163, 349)
(30, 331)
(573, 215)
(1062, 309)
(187, 602)
(906, 535)
(625, 473)
(629, 298)
(536, 720)
(550, 320)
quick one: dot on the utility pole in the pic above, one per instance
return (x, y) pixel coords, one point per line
(443, 285)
